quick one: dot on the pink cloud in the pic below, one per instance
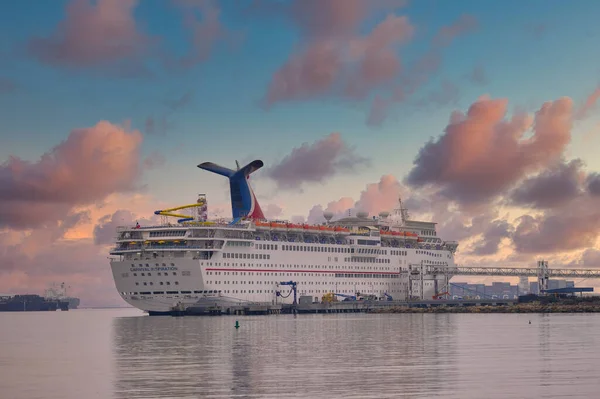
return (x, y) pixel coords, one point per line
(420, 72)
(93, 35)
(334, 58)
(313, 163)
(589, 104)
(376, 197)
(481, 153)
(88, 166)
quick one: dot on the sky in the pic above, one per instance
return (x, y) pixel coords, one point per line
(483, 116)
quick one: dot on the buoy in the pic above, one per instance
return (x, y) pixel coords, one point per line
(237, 324)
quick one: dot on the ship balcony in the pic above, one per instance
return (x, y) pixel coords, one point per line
(162, 247)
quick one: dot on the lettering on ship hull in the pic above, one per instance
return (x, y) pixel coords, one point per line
(153, 269)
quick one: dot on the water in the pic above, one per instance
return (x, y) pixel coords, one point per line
(124, 354)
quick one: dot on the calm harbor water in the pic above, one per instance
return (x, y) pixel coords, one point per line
(121, 353)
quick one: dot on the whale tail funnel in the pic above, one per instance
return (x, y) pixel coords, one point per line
(243, 200)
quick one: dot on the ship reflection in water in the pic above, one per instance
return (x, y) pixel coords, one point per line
(357, 356)
(309, 356)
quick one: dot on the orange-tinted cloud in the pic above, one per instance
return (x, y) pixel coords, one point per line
(589, 104)
(333, 57)
(482, 153)
(376, 197)
(93, 35)
(88, 166)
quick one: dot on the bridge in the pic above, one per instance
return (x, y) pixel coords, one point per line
(417, 272)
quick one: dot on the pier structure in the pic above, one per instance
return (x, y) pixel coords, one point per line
(421, 272)
(418, 273)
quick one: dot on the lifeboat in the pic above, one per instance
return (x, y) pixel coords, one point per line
(278, 225)
(385, 232)
(396, 233)
(294, 227)
(262, 225)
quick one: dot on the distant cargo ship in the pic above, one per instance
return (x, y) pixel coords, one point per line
(30, 303)
(59, 293)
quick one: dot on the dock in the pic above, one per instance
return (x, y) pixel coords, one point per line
(374, 306)
(254, 308)
(330, 307)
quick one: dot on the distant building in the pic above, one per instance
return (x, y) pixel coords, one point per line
(523, 285)
(501, 290)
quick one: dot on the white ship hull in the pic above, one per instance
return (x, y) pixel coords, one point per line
(238, 274)
(159, 268)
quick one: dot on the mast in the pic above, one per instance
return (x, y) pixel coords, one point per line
(401, 211)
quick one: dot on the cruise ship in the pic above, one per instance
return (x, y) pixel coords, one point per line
(190, 259)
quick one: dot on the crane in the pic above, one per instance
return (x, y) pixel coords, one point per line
(293, 284)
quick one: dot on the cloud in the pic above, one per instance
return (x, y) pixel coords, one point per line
(334, 59)
(93, 35)
(73, 250)
(375, 198)
(88, 166)
(104, 35)
(313, 163)
(593, 184)
(555, 186)
(421, 70)
(482, 153)
(201, 19)
(589, 104)
(272, 211)
(495, 232)
(106, 226)
(569, 228)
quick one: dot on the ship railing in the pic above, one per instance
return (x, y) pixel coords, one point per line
(186, 225)
(163, 247)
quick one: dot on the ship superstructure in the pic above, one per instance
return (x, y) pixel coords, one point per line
(59, 292)
(197, 260)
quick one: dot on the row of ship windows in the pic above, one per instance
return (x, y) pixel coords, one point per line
(227, 264)
(171, 292)
(353, 275)
(160, 283)
(367, 260)
(336, 284)
(148, 265)
(228, 255)
(308, 282)
(167, 233)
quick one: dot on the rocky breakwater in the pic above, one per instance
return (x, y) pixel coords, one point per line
(585, 305)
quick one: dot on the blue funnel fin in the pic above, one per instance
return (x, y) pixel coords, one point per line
(218, 169)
